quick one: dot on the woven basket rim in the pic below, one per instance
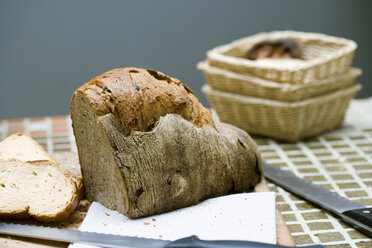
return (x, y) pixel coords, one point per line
(206, 89)
(206, 67)
(217, 52)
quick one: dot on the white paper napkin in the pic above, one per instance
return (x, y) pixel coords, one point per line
(247, 216)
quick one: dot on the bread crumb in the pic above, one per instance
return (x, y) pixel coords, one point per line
(160, 236)
(153, 219)
(104, 224)
(146, 223)
(107, 214)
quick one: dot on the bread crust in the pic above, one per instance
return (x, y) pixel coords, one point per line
(16, 215)
(138, 97)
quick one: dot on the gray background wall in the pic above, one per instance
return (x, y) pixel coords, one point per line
(49, 48)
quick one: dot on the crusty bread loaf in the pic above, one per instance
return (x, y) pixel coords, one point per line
(32, 182)
(147, 146)
(24, 148)
(37, 188)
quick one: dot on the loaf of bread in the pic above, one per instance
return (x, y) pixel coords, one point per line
(147, 146)
(276, 49)
(32, 183)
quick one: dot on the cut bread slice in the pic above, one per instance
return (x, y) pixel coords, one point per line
(33, 183)
(23, 148)
(35, 188)
(69, 163)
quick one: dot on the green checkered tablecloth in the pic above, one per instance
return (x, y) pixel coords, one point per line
(340, 161)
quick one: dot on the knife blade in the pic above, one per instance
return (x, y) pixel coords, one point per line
(118, 241)
(357, 215)
(72, 236)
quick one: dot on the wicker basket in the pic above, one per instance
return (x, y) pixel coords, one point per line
(281, 120)
(223, 80)
(323, 56)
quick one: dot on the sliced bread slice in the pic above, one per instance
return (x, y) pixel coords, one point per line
(23, 148)
(69, 163)
(32, 183)
(36, 188)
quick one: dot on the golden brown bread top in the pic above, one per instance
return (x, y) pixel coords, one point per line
(139, 97)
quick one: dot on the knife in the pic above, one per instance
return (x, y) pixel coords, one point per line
(118, 241)
(357, 215)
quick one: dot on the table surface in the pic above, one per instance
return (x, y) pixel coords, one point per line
(340, 161)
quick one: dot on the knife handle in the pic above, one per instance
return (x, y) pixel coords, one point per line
(360, 219)
(195, 242)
